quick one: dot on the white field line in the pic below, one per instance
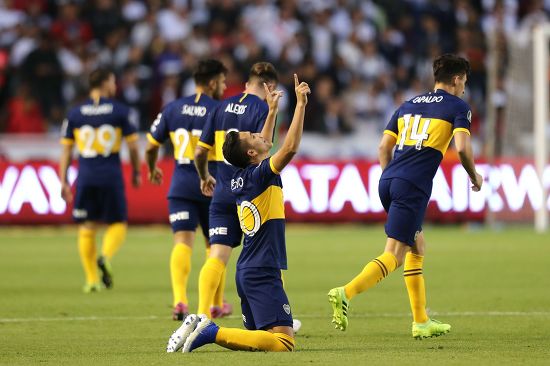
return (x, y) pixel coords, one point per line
(302, 316)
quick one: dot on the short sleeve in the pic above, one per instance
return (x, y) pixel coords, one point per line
(392, 128)
(264, 172)
(462, 119)
(158, 133)
(67, 135)
(208, 131)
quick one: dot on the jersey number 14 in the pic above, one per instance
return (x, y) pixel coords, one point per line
(416, 133)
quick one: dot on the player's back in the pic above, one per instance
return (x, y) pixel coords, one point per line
(258, 190)
(98, 129)
(424, 127)
(182, 121)
(243, 112)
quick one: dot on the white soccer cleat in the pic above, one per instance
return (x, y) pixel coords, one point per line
(296, 325)
(177, 339)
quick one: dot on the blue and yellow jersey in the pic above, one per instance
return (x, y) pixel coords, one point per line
(243, 112)
(258, 190)
(98, 130)
(424, 127)
(182, 122)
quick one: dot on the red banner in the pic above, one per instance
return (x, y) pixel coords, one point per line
(314, 191)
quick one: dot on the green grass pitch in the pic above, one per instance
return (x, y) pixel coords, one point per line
(493, 287)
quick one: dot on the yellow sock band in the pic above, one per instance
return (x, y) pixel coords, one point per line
(88, 255)
(180, 266)
(254, 340)
(374, 272)
(414, 280)
(209, 280)
(113, 239)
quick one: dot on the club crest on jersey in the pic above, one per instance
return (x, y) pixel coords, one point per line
(286, 308)
(235, 108)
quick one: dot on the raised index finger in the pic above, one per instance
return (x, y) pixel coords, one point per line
(267, 92)
(296, 83)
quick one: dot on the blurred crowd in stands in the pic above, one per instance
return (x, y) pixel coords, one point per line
(362, 57)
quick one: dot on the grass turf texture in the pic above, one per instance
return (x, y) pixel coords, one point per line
(493, 287)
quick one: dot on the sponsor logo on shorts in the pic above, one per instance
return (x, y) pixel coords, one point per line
(80, 214)
(286, 308)
(179, 216)
(220, 230)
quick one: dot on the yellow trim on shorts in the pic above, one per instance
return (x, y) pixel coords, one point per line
(152, 140)
(205, 145)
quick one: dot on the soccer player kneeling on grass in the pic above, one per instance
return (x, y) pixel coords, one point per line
(422, 129)
(258, 192)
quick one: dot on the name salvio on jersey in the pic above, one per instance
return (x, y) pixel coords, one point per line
(193, 110)
(235, 108)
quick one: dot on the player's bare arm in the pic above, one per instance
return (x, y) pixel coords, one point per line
(201, 163)
(64, 162)
(294, 135)
(464, 148)
(151, 157)
(272, 99)
(134, 160)
(385, 149)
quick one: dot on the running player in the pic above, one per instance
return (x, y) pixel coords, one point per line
(182, 121)
(97, 126)
(257, 187)
(422, 129)
(247, 111)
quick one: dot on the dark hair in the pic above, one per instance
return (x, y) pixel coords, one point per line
(264, 71)
(235, 150)
(448, 66)
(99, 76)
(207, 70)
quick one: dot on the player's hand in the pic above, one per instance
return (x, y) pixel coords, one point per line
(136, 179)
(66, 193)
(155, 176)
(272, 97)
(477, 183)
(302, 90)
(208, 185)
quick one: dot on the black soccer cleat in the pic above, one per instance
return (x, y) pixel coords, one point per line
(106, 271)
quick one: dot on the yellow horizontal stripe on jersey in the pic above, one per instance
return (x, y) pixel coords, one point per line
(184, 146)
(273, 169)
(66, 141)
(269, 204)
(152, 140)
(101, 141)
(205, 145)
(439, 133)
(219, 139)
(461, 129)
(391, 133)
(132, 137)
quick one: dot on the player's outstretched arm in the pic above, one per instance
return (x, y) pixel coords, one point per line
(151, 156)
(385, 149)
(272, 99)
(134, 159)
(294, 135)
(64, 162)
(464, 148)
(201, 163)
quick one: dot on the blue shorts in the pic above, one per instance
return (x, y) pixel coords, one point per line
(100, 203)
(406, 205)
(186, 215)
(225, 227)
(264, 303)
